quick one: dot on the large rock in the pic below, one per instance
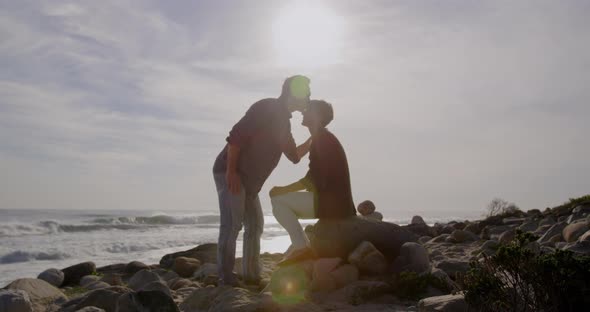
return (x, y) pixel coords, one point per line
(146, 300)
(345, 274)
(221, 299)
(185, 267)
(447, 303)
(338, 238)
(38, 290)
(552, 231)
(322, 280)
(54, 277)
(355, 293)
(453, 267)
(90, 309)
(142, 278)
(74, 273)
(15, 300)
(413, 257)
(581, 247)
(461, 236)
(417, 220)
(585, 236)
(368, 259)
(529, 226)
(474, 228)
(507, 237)
(573, 231)
(117, 268)
(134, 267)
(112, 279)
(88, 279)
(205, 270)
(105, 298)
(206, 253)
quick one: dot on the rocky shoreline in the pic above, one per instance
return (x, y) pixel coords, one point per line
(361, 265)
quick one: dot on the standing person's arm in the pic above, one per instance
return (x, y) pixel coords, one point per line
(293, 152)
(232, 177)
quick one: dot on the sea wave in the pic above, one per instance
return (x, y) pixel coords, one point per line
(26, 256)
(160, 220)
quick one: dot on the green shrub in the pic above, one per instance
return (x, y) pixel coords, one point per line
(516, 279)
(412, 286)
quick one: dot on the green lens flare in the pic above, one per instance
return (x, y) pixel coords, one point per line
(299, 87)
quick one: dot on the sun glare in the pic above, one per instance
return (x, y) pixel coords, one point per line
(307, 35)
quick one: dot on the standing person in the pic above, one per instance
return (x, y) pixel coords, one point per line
(254, 147)
(328, 193)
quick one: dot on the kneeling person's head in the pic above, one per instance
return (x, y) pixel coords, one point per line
(318, 115)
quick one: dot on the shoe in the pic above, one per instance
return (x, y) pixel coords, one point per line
(297, 255)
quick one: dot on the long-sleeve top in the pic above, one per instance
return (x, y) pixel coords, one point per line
(328, 177)
(263, 134)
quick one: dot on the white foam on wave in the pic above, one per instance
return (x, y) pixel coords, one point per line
(26, 256)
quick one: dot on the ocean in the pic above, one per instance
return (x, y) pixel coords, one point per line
(32, 241)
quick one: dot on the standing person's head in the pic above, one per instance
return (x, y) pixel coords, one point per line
(318, 115)
(296, 93)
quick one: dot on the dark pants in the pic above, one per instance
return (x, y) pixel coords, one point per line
(234, 211)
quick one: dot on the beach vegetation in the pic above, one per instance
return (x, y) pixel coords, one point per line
(516, 278)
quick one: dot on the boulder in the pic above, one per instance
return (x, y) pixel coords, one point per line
(580, 247)
(179, 283)
(420, 229)
(457, 225)
(292, 280)
(221, 299)
(206, 253)
(165, 274)
(474, 228)
(424, 239)
(573, 231)
(338, 238)
(552, 231)
(54, 277)
(356, 293)
(513, 220)
(134, 267)
(97, 285)
(112, 279)
(574, 217)
(322, 280)
(452, 266)
(15, 300)
(344, 275)
(366, 207)
(441, 275)
(205, 270)
(549, 220)
(105, 298)
(417, 220)
(582, 208)
(368, 259)
(461, 236)
(446, 303)
(117, 268)
(440, 239)
(185, 267)
(507, 237)
(38, 290)
(413, 257)
(88, 279)
(585, 236)
(375, 215)
(74, 273)
(529, 226)
(157, 286)
(146, 301)
(489, 247)
(90, 309)
(142, 278)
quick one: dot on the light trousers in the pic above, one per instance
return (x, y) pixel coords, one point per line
(235, 210)
(288, 209)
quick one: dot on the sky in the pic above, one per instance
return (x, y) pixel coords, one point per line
(441, 106)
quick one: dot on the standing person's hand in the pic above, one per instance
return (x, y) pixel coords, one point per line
(233, 182)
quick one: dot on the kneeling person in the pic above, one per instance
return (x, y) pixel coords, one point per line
(325, 191)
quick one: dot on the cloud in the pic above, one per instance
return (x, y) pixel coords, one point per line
(126, 103)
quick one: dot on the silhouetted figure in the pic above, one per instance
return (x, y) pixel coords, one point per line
(254, 147)
(327, 183)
